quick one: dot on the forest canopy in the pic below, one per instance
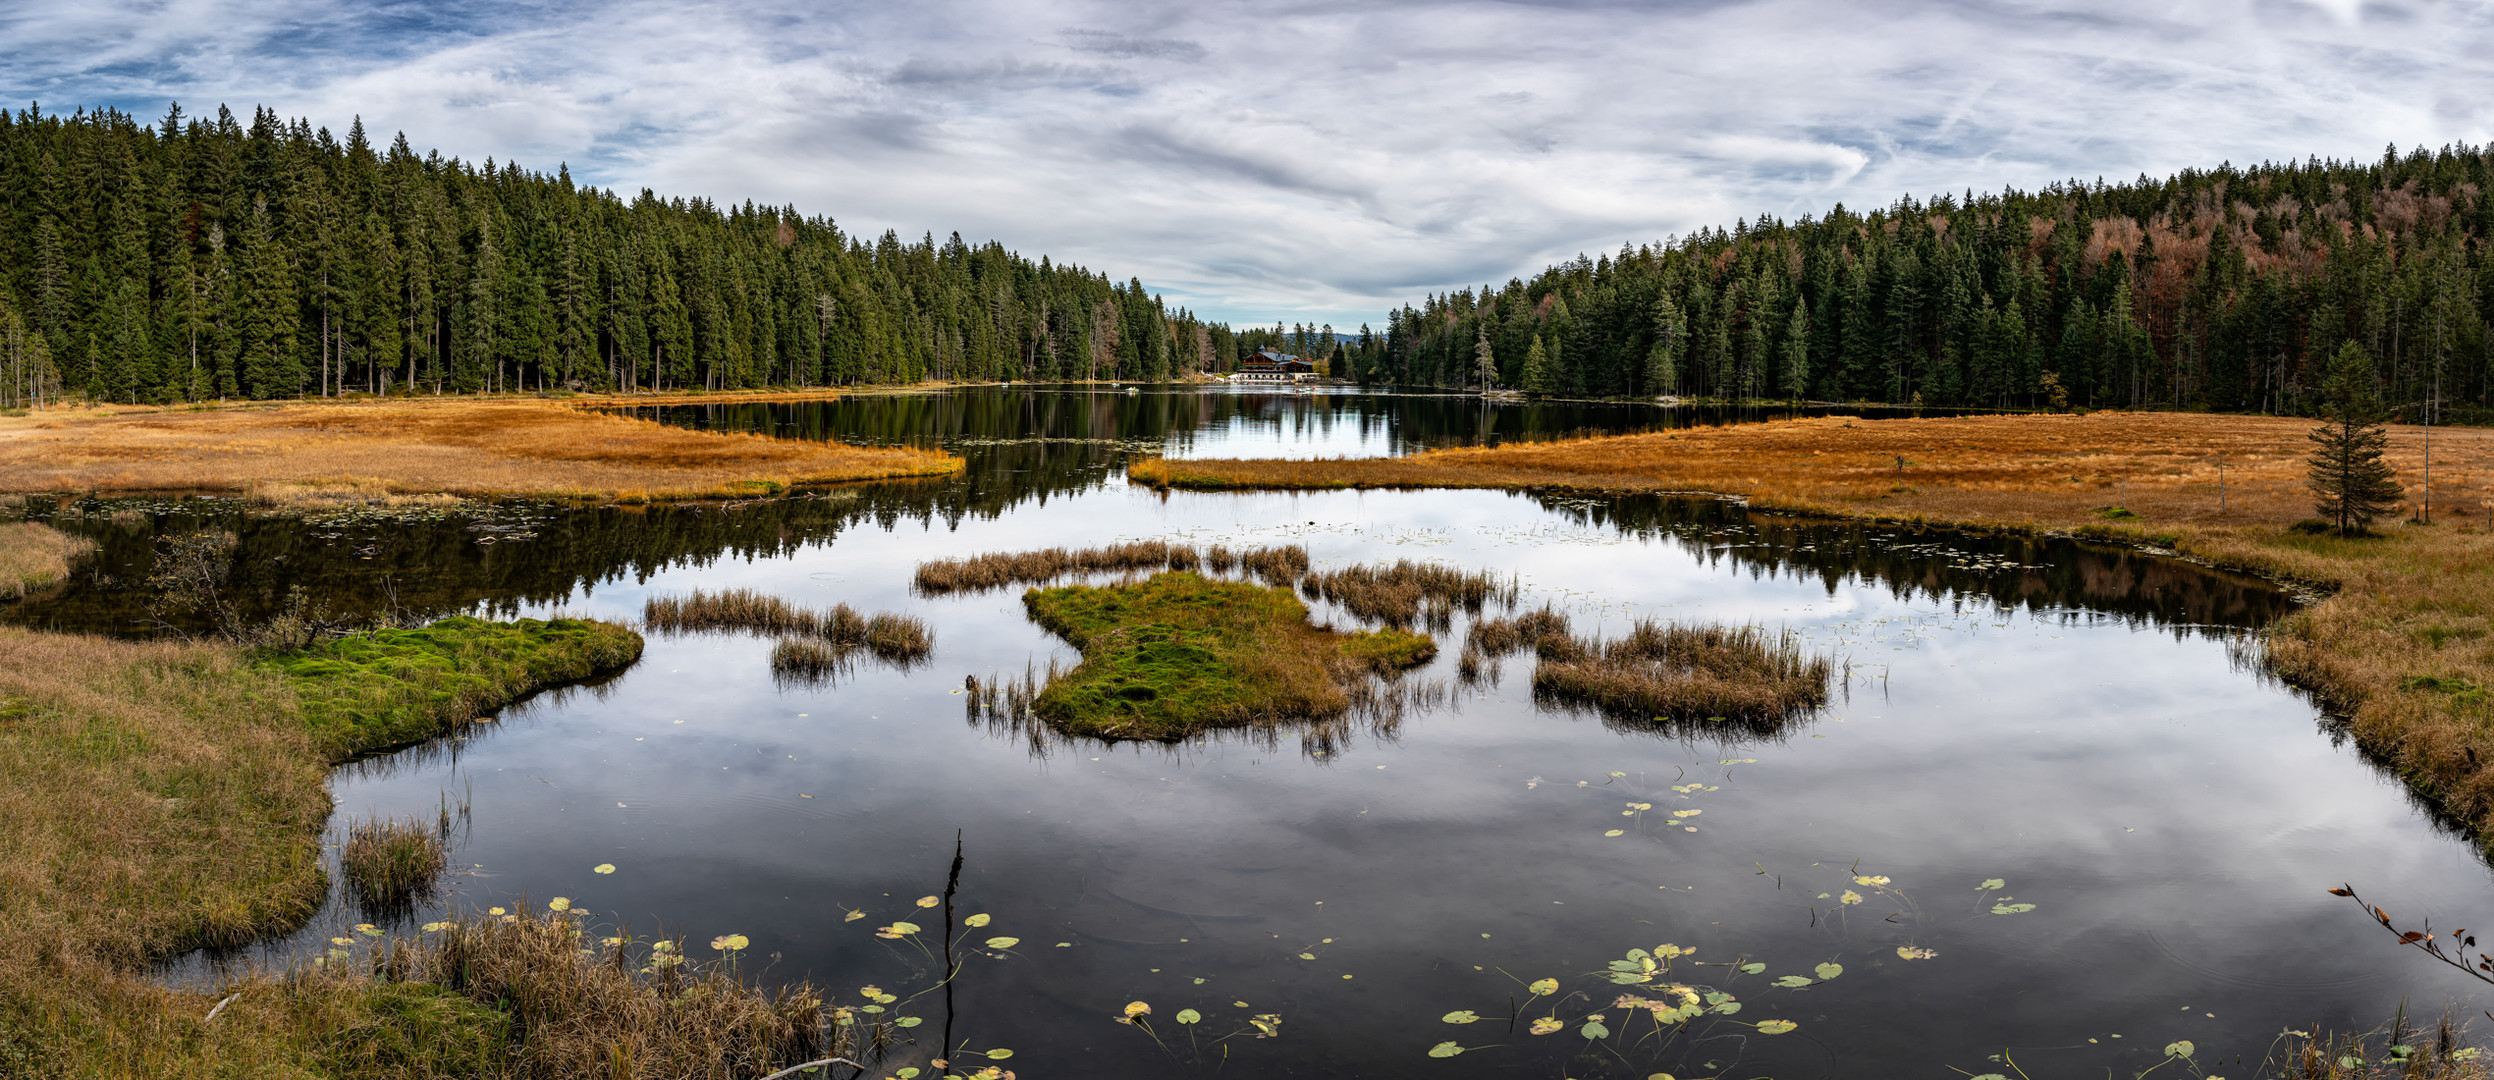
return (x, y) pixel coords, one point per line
(2226, 289)
(202, 258)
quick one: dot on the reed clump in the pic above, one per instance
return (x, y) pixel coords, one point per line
(390, 863)
(575, 1002)
(1498, 637)
(1281, 564)
(1408, 592)
(894, 638)
(998, 570)
(1678, 672)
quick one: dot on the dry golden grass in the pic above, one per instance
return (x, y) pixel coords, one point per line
(34, 555)
(2403, 649)
(2039, 470)
(423, 446)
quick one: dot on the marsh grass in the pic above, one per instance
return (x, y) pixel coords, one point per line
(1408, 592)
(1678, 673)
(390, 863)
(805, 632)
(998, 570)
(34, 556)
(2395, 1052)
(410, 447)
(390, 687)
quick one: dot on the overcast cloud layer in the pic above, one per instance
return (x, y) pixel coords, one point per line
(1268, 159)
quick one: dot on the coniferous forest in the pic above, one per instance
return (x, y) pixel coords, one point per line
(202, 258)
(2226, 289)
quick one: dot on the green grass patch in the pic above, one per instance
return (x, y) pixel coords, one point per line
(1178, 653)
(392, 687)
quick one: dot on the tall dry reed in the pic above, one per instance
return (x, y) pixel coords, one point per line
(1408, 592)
(1675, 672)
(997, 570)
(899, 639)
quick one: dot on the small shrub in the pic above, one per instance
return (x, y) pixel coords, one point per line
(390, 864)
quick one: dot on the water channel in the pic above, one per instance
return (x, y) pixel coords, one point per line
(2073, 722)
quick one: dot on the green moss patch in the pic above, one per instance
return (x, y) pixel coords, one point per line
(1179, 653)
(392, 687)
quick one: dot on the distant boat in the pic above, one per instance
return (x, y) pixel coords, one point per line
(1134, 389)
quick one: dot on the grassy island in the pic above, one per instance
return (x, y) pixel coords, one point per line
(1178, 653)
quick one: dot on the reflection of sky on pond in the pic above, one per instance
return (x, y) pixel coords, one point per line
(2173, 819)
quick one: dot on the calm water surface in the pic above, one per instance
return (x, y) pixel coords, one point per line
(2072, 721)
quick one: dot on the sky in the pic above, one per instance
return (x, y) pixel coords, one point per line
(1281, 160)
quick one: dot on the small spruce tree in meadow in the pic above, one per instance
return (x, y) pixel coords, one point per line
(2350, 482)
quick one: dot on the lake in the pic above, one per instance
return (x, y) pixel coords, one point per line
(2052, 812)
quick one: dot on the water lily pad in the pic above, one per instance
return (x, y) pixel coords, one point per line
(560, 903)
(910, 1021)
(1000, 1053)
(729, 942)
(1615, 832)
(1850, 897)
(1460, 1016)
(1830, 970)
(1593, 1029)
(2180, 1049)
(1990, 884)
(603, 868)
(2011, 909)
(1445, 1050)
(975, 921)
(853, 916)
(1545, 1025)
(1753, 969)
(1189, 1016)
(1912, 952)
(1775, 1027)
(1794, 981)
(1544, 987)
(929, 901)
(1137, 1008)
(1003, 942)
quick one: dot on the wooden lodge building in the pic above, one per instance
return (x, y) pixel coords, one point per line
(1271, 366)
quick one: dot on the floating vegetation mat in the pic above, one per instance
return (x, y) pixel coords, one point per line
(997, 570)
(1180, 653)
(1684, 674)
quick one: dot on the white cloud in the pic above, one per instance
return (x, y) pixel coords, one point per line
(1284, 159)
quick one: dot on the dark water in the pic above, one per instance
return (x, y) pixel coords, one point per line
(2071, 720)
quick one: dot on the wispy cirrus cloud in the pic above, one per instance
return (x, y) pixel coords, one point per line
(1284, 159)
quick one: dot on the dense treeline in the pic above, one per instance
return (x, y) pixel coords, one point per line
(2222, 289)
(199, 258)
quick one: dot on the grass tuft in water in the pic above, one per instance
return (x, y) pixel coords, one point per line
(899, 639)
(1408, 592)
(391, 863)
(1674, 672)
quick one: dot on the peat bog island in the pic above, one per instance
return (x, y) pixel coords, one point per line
(605, 616)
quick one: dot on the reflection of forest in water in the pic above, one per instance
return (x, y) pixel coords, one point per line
(1098, 427)
(427, 564)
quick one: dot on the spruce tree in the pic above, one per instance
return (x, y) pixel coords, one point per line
(1671, 346)
(2351, 483)
(1538, 380)
(1484, 360)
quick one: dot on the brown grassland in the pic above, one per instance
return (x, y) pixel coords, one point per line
(2401, 648)
(455, 446)
(158, 796)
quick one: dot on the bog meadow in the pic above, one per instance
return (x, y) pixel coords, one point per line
(456, 621)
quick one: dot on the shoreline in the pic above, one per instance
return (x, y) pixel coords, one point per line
(2393, 643)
